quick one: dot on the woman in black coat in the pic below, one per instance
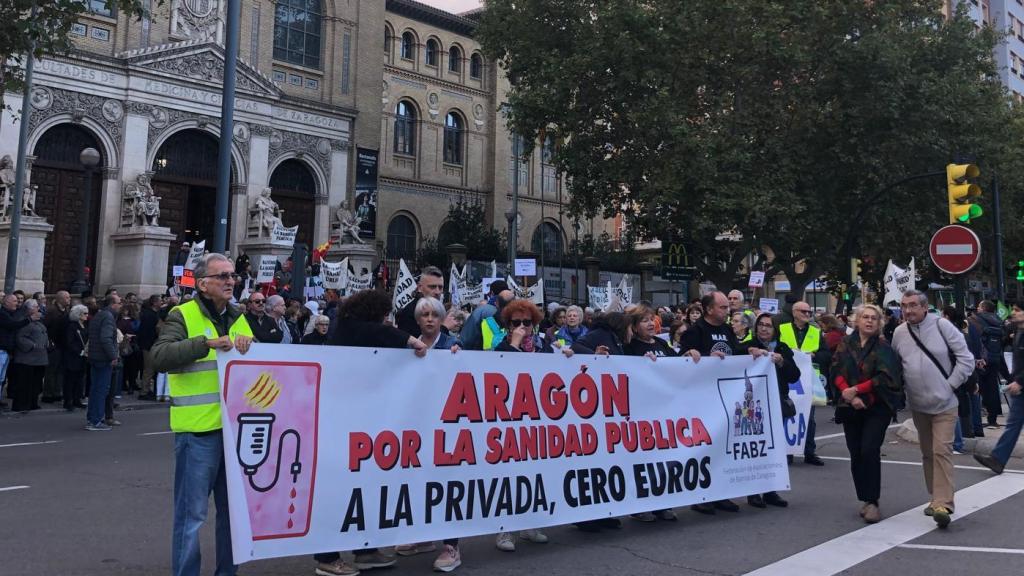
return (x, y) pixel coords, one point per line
(76, 337)
(766, 337)
(609, 334)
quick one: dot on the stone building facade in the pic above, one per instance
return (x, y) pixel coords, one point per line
(316, 94)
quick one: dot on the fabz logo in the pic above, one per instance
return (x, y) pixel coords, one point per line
(746, 402)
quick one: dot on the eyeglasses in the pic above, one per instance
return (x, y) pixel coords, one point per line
(517, 322)
(766, 326)
(257, 301)
(803, 311)
(224, 277)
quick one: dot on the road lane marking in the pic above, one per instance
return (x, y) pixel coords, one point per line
(849, 550)
(157, 433)
(29, 443)
(9, 488)
(906, 463)
(962, 548)
(827, 436)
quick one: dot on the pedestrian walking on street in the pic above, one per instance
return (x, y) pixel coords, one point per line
(1000, 455)
(869, 388)
(936, 362)
(187, 349)
(800, 334)
(985, 339)
(103, 357)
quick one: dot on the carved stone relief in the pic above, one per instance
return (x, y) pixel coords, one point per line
(48, 102)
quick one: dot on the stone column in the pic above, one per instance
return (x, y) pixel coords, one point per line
(593, 266)
(31, 248)
(338, 186)
(142, 253)
(457, 254)
(321, 221)
(109, 208)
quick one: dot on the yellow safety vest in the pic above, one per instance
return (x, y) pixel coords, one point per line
(492, 333)
(194, 388)
(749, 337)
(812, 340)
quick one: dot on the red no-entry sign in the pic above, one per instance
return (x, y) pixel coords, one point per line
(955, 249)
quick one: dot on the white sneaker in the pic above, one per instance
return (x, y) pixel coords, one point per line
(535, 536)
(505, 543)
(449, 560)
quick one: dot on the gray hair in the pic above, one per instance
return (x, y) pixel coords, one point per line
(744, 318)
(77, 311)
(274, 300)
(922, 298)
(321, 318)
(432, 271)
(31, 303)
(429, 304)
(574, 308)
(205, 261)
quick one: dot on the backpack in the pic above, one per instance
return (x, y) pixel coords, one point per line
(991, 340)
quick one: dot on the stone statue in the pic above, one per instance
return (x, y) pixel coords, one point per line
(6, 184)
(264, 214)
(139, 205)
(348, 223)
(28, 203)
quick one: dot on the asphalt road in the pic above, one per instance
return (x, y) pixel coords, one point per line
(77, 503)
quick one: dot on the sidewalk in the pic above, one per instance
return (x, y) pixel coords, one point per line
(127, 403)
(908, 432)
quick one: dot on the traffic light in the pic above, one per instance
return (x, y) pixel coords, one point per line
(856, 269)
(961, 193)
(1020, 270)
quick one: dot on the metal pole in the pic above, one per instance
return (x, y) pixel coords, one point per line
(998, 233)
(513, 220)
(227, 122)
(299, 271)
(19, 170)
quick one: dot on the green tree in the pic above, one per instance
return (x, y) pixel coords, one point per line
(47, 32)
(466, 224)
(758, 127)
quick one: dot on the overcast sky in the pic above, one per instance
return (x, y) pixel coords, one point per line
(455, 6)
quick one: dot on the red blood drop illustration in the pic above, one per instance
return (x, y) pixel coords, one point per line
(290, 523)
(291, 508)
(293, 493)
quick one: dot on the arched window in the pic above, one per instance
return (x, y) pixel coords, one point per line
(433, 50)
(408, 46)
(449, 233)
(453, 127)
(476, 66)
(547, 240)
(454, 59)
(548, 149)
(63, 145)
(388, 39)
(405, 128)
(401, 238)
(297, 32)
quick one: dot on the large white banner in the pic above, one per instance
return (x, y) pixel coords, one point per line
(344, 448)
(802, 393)
(534, 294)
(195, 254)
(897, 281)
(405, 288)
(335, 274)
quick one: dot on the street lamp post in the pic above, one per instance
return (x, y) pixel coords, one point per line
(90, 159)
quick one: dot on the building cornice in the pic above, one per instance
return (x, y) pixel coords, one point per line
(434, 16)
(423, 78)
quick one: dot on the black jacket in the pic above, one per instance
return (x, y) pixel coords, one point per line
(316, 339)
(599, 336)
(10, 322)
(348, 332)
(76, 338)
(405, 319)
(264, 329)
(146, 334)
(56, 320)
(785, 374)
(705, 339)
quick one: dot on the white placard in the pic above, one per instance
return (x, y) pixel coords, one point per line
(405, 288)
(526, 266)
(335, 274)
(756, 279)
(178, 271)
(337, 471)
(194, 255)
(268, 265)
(769, 305)
(283, 236)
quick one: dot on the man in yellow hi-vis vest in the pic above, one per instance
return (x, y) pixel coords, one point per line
(801, 335)
(187, 350)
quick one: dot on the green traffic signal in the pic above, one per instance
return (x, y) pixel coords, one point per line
(1020, 270)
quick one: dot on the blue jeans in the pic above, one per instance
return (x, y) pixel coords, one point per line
(958, 438)
(1014, 421)
(810, 446)
(100, 374)
(198, 471)
(5, 361)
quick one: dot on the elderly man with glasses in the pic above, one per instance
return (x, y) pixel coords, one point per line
(187, 350)
(264, 328)
(801, 335)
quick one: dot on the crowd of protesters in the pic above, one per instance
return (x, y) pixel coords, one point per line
(89, 352)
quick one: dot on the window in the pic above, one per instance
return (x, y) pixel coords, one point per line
(432, 52)
(454, 59)
(388, 38)
(519, 163)
(547, 241)
(453, 127)
(548, 150)
(401, 238)
(476, 66)
(297, 32)
(408, 46)
(405, 129)
(99, 7)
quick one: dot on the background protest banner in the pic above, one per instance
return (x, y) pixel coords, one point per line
(534, 294)
(405, 288)
(335, 274)
(898, 281)
(357, 283)
(265, 273)
(198, 248)
(477, 443)
(283, 236)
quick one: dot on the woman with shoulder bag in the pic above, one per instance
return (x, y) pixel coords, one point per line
(869, 390)
(765, 336)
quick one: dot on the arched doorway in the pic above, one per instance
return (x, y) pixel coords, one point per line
(185, 179)
(547, 243)
(294, 189)
(60, 176)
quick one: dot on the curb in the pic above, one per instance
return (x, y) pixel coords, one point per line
(123, 407)
(908, 432)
